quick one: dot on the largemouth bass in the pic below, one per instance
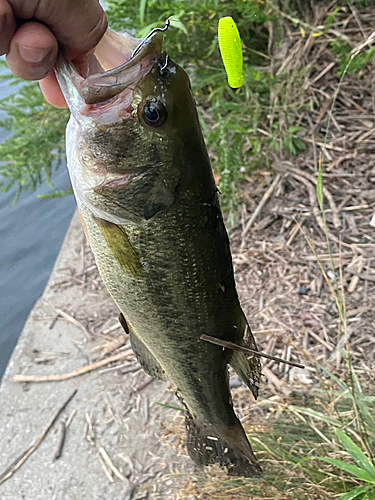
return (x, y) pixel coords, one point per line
(149, 205)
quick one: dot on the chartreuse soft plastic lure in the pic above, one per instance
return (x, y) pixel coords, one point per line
(231, 51)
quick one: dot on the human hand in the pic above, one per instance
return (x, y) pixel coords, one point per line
(32, 30)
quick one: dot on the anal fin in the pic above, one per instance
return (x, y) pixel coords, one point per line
(146, 359)
(248, 369)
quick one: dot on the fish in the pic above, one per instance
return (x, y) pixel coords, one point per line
(149, 206)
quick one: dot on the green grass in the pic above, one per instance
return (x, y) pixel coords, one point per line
(315, 450)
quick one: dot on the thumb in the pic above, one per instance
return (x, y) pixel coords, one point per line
(77, 24)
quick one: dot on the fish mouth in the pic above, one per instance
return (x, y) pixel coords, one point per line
(118, 62)
(119, 182)
(99, 91)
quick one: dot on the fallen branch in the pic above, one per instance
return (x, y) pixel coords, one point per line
(262, 202)
(75, 373)
(75, 322)
(362, 276)
(246, 350)
(279, 384)
(30, 450)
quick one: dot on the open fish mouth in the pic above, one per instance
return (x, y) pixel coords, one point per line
(100, 92)
(118, 62)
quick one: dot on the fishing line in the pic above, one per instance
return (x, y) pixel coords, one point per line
(150, 35)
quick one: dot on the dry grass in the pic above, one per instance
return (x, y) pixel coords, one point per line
(280, 283)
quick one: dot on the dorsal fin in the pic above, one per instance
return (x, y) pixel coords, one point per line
(248, 369)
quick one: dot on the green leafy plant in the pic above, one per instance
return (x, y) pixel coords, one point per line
(348, 63)
(364, 471)
(292, 141)
(37, 144)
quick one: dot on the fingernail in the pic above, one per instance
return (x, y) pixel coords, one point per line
(33, 54)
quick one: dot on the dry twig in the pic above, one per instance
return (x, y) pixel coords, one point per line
(75, 322)
(246, 350)
(76, 373)
(30, 450)
(262, 202)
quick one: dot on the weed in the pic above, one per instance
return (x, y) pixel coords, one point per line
(37, 144)
(348, 63)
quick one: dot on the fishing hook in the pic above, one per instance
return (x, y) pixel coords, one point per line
(150, 35)
(166, 60)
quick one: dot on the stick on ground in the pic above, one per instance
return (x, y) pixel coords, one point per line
(75, 373)
(75, 322)
(61, 441)
(263, 201)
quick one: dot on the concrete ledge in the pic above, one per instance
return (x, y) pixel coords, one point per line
(111, 417)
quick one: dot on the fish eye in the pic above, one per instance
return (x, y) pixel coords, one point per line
(154, 113)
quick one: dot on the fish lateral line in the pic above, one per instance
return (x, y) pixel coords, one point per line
(247, 350)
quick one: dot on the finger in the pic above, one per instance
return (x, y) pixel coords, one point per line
(33, 51)
(52, 92)
(7, 26)
(77, 24)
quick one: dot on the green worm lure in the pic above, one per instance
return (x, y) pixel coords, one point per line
(231, 51)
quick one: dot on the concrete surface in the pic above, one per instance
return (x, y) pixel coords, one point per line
(116, 413)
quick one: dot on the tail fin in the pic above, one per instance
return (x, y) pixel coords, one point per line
(228, 446)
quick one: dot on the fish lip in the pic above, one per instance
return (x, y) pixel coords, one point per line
(119, 182)
(103, 86)
(100, 87)
(150, 45)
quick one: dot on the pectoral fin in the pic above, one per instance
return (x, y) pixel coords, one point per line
(121, 248)
(248, 369)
